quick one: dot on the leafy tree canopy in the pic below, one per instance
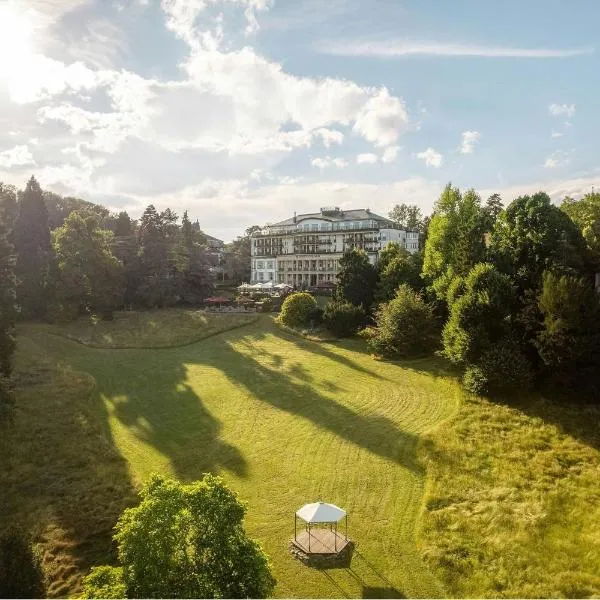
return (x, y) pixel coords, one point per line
(455, 240)
(356, 279)
(478, 315)
(188, 541)
(585, 213)
(531, 236)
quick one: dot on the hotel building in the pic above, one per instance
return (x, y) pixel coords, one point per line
(305, 250)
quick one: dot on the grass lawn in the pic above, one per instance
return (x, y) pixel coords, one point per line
(508, 505)
(513, 506)
(284, 420)
(151, 329)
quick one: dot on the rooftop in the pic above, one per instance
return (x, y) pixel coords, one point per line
(334, 214)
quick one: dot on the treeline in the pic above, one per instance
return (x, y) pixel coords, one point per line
(506, 294)
(63, 257)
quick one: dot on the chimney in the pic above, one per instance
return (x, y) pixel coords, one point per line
(294, 216)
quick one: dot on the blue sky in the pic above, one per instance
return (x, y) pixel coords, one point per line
(243, 111)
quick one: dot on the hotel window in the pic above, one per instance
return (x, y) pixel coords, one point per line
(259, 264)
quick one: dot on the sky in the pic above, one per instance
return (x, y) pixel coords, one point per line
(244, 111)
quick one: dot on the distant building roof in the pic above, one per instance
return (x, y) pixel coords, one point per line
(210, 238)
(334, 214)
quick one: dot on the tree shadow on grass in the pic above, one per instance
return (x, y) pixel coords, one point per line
(171, 417)
(63, 478)
(375, 433)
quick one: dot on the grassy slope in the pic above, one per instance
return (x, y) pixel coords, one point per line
(514, 500)
(151, 329)
(284, 420)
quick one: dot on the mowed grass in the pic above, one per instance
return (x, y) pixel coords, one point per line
(151, 329)
(513, 508)
(283, 419)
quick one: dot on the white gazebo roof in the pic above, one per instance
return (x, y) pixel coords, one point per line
(321, 512)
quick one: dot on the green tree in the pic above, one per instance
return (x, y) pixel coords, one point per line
(197, 282)
(123, 226)
(21, 574)
(478, 315)
(188, 541)
(356, 279)
(492, 209)
(157, 240)
(455, 241)
(8, 282)
(408, 216)
(585, 213)
(343, 318)
(569, 339)
(397, 266)
(34, 252)
(532, 236)
(297, 309)
(90, 276)
(8, 299)
(237, 257)
(405, 327)
(104, 582)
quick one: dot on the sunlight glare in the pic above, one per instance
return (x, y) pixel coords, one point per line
(16, 44)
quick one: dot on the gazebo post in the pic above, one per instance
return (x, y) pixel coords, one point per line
(309, 536)
(295, 519)
(346, 527)
(335, 537)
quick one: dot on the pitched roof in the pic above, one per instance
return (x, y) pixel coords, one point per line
(321, 512)
(356, 214)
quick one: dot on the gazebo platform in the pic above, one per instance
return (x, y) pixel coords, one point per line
(322, 541)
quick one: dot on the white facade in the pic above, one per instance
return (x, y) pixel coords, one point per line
(305, 250)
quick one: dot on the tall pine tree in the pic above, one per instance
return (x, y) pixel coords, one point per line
(34, 251)
(8, 296)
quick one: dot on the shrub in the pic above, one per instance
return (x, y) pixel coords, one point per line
(405, 326)
(343, 318)
(296, 309)
(104, 582)
(501, 368)
(21, 574)
(315, 317)
(266, 305)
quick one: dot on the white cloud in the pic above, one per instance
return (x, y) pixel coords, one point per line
(556, 110)
(382, 118)
(560, 158)
(431, 157)
(330, 136)
(366, 159)
(400, 48)
(469, 140)
(556, 134)
(327, 161)
(390, 154)
(17, 156)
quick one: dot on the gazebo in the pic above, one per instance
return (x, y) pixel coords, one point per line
(320, 535)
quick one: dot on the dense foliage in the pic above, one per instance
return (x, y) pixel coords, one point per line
(397, 266)
(184, 541)
(343, 318)
(405, 327)
(34, 252)
(75, 257)
(531, 236)
(90, 276)
(455, 241)
(356, 279)
(8, 298)
(297, 309)
(21, 574)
